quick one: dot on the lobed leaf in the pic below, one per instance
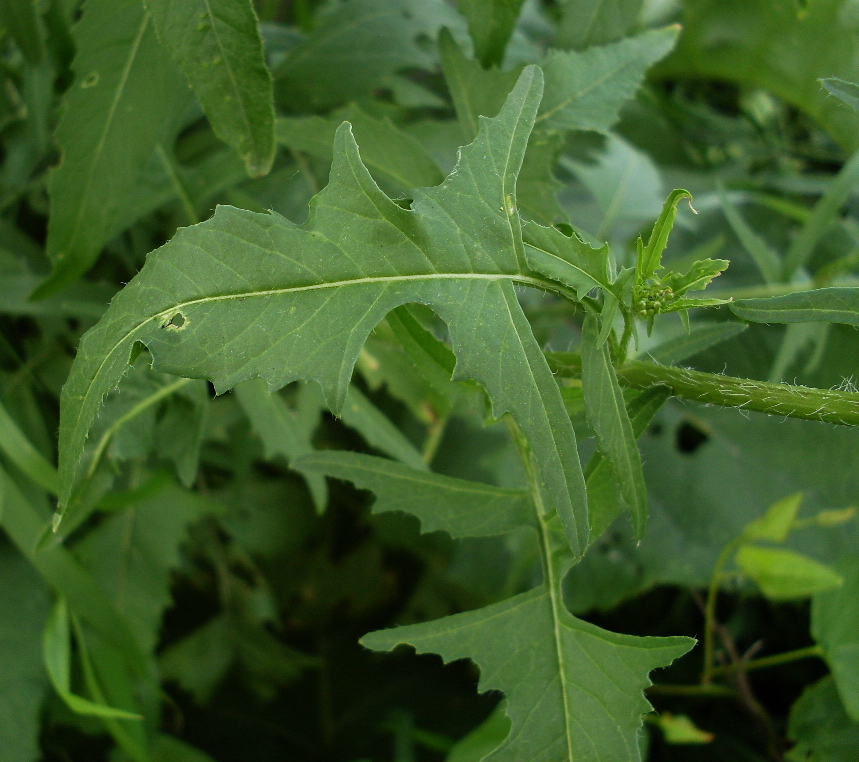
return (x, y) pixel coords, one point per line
(247, 294)
(461, 508)
(573, 689)
(218, 46)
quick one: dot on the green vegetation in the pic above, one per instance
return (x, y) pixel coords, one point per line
(429, 380)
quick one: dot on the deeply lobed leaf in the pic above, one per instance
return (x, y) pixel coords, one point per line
(245, 295)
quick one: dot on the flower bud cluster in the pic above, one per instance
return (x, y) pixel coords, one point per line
(651, 300)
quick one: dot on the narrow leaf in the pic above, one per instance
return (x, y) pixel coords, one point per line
(247, 294)
(766, 259)
(830, 305)
(218, 46)
(604, 497)
(24, 609)
(378, 431)
(490, 23)
(608, 417)
(56, 645)
(21, 452)
(125, 94)
(650, 256)
(440, 502)
(573, 690)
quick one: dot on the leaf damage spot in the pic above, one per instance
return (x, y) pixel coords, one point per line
(175, 322)
(90, 80)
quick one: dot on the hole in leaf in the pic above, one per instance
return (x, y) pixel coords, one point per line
(176, 321)
(690, 437)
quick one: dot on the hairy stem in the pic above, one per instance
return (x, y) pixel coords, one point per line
(804, 402)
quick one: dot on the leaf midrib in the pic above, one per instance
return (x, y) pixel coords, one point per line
(135, 47)
(173, 309)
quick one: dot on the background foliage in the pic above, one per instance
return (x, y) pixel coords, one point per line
(220, 568)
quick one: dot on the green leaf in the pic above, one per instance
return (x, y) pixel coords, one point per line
(132, 553)
(486, 737)
(572, 688)
(388, 152)
(490, 23)
(625, 183)
(783, 574)
(21, 19)
(284, 431)
(750, 49)
(595, 22)
(125, 95)
(381, 36)
(475, 509)
(21, 452)
(776, 523)
(766, 259)
(475, 91)
(830, 305)
(56, 645)
(679, 729)
(702, 336)
(24, 608)
(608, 417)
(604, 497)
(821, 728)
(835, 627)
(847, 92)
(650, 255)
(378, 431)
(218, 46)
(585, 90)
(458, 250)
(567, 259)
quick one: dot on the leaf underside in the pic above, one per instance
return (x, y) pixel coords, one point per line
(252, 295)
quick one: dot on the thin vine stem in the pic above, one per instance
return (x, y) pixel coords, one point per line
(710, 608)
(769, 661)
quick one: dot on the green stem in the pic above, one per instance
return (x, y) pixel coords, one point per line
(770, 661)
(786, 400)
(435, 434)
(692, 690)
(710, 609)
(178, 185)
